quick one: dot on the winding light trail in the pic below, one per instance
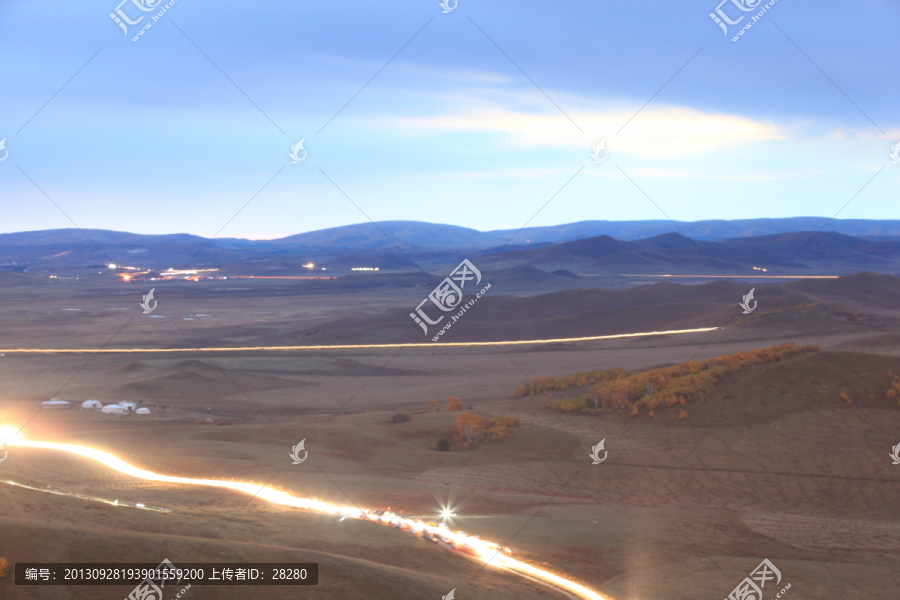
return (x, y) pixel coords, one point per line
(484, 551)
(344, 347)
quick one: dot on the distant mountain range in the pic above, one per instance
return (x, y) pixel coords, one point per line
(797, 253)
(396, 245)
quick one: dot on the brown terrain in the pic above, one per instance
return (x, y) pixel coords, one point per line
(775, 464)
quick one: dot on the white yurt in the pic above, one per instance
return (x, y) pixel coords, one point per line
(56, 403)
(92, 404)
(112, 409)
(143, 411)
(127, 405)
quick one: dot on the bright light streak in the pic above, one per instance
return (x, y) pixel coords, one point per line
(345, 346)
(487, 552)
(728, 276)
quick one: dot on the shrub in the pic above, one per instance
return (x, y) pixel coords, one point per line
(204, 422)
(443, 445)
(4, 568)
(400, 418)
(453, 403)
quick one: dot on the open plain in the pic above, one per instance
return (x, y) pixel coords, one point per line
(777, 464)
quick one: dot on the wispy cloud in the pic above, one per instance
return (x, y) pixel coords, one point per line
(667, 131)
(754, 175)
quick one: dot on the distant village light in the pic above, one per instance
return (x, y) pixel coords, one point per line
(111, 265)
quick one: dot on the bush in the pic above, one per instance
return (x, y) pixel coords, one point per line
(4, 568)
(400, 418)
(453, 403)
(443, 445)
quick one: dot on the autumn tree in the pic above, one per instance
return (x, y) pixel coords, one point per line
(470, 426)
(453, 403)
(431, 405)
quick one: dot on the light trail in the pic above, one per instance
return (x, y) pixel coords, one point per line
(728, 276)
(345, 346)
(487, 552)
(276, 277)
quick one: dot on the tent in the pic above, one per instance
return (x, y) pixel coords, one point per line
(92, 404)
(143, 411)
(113, 409)
(127, 405)
(56, 404)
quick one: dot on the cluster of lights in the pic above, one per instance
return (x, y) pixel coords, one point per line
(364, 269)
(759, 269)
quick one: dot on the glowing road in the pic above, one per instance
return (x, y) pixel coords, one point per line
(480, 550)
(347, 346)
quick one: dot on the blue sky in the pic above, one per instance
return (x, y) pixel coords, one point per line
(152, 137)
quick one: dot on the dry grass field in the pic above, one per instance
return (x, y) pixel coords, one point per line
(775, 465)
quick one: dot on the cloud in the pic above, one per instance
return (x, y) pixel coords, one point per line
(667, 131)
(750, 175)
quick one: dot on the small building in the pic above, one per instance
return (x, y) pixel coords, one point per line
(112, 409)
(92, 404)
(56, 404)
(142, 411)
(127, 405)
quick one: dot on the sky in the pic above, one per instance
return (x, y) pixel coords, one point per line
(484, 116)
